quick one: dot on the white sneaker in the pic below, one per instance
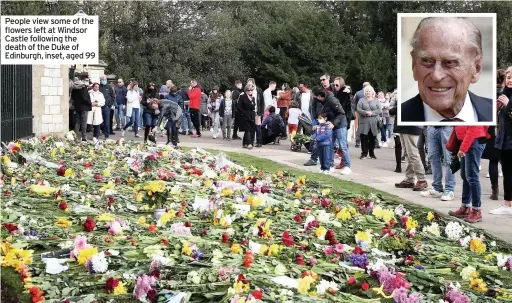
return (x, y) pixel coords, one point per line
(122, 133)
(431, 193)
(480, 167)
(502, 210)
(501, 174)
(448, 196)
(487, 176)
(384, 144)
(95, 140)
(345, 171)
(331, 170)
(327, 172)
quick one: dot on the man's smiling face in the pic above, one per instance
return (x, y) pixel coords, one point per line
(445, 65)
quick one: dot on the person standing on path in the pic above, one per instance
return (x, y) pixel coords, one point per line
(409, 136)
(437, 137)
(194, 95)
(369, 111)
(82, 102)
(504, 143)
(95, 116)
(260, 109)
(267, 94)
(110, 99)
(121, 92)
(473, 139)
(358, 96)
(226, 112)
(342, 93)
(236, 95)
(246, 116)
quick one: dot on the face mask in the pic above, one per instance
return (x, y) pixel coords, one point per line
(321, 121)
(103, 82)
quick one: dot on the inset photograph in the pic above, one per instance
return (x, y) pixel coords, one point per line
(446, 67)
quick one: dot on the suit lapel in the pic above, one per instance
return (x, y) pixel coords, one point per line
(481, 106)
(418, 109)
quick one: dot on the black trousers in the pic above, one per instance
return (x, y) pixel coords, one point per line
(398, 152)
(506, 167)
(368, 144)
(112, 112)
(248, 138)
(72, 119)
(422, 147)
(265, 138)
(194, 116)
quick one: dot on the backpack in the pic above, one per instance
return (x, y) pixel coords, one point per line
(276, 126)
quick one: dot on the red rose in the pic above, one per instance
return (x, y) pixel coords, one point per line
(358, 250)
(300, 260)
(61, 171)
(152, 295)
(331, 237)
(117, 180)
(11, 228)
(288, 239)
(365, 286)
(205, 232)
(241, 278)
(88, 164)
(110, 201)
(111, 284)
(325, 202)
(225, 237)
(89, 225)
(63, 205)
(257, 294)
(98, 177)
(297, 218)
(165, 242)
(188, 224)
(248, 259)
(351, 280)
(244, 242)
(265, 189)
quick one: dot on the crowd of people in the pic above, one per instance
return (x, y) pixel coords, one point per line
(335, 115)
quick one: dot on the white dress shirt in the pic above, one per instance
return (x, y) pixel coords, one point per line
(305, 98)
(267, 97)
(466, 114)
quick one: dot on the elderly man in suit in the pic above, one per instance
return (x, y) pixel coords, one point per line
(446, 59)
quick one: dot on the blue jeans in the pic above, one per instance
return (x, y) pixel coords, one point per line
(325, 153)
(149, 119)
(186, 122)
(340, 135)
(314, 151)
(471, 190)
(134, 120)
(436, 142)
(120, 119)
(385, 129)
(105, 113)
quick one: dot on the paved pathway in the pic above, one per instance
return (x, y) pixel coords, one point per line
(374, 173)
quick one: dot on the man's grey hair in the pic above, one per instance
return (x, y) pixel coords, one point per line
(474, 35)
(103, 77)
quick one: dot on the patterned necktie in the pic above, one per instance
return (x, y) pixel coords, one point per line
(452, 120)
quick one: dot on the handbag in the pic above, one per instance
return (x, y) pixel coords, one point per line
(455, 165)
(380, 124)
(453, 144)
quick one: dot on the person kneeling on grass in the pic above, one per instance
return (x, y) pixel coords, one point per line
(272, 126)
(171, 111)
(323, 138)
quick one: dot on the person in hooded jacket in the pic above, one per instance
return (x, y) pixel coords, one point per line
(150, 115)
(235, 95)
(171, 111)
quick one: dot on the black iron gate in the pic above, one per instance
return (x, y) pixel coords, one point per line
(16, 107)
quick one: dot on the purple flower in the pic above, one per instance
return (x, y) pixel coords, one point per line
(401, 296)
(143, 286)
(359, 260)
(456, 296)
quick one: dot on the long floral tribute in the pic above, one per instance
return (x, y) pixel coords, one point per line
(118, 222)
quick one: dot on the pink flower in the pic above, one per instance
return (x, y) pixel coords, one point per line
(143, 286)
(328, 250)
(115, 228)
(340, 248)
(80, 243)
(180, 229)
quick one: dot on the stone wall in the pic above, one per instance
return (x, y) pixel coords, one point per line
(50, 99)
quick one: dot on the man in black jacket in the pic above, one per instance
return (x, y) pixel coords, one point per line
(260, 109)
(110, 99)
(235, 94)
(82, 103)
(121, 92)
(324, 101)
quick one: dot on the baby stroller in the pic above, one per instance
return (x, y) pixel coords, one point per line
(306, 125)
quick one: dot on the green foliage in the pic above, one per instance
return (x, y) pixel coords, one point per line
(219, 42)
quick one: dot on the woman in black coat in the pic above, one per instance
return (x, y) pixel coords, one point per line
(246, 116)
(492, 154)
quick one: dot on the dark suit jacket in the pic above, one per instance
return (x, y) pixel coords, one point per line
(413, 111)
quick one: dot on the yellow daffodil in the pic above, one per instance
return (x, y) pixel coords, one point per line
(69, 173)
(476, 245)
(384, 214)
(186, 249)
(298, 194)
(6, 159)
(227, 192)
(120, 289)
(63, 222)
(325, 192)
(263, 249)
(273, 250)
(166, 217)
(344, 214)
(430, 216)
(236, 249)
(304, 284)
(142, 221)
(363, 236)
(86, 254)
(320, 232)
(106, 217)
(43, 190)
(411, 223)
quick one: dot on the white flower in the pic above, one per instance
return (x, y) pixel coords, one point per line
(159, 261)
(501, 260)
(400, 210)
(453, 230)
(99, 263)
(323, 216)
(493, 243)
(255, 247)
(377, 265)
(194, 277)
(433, 229)
(466, 272)
(324, 285)
(465, 241)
